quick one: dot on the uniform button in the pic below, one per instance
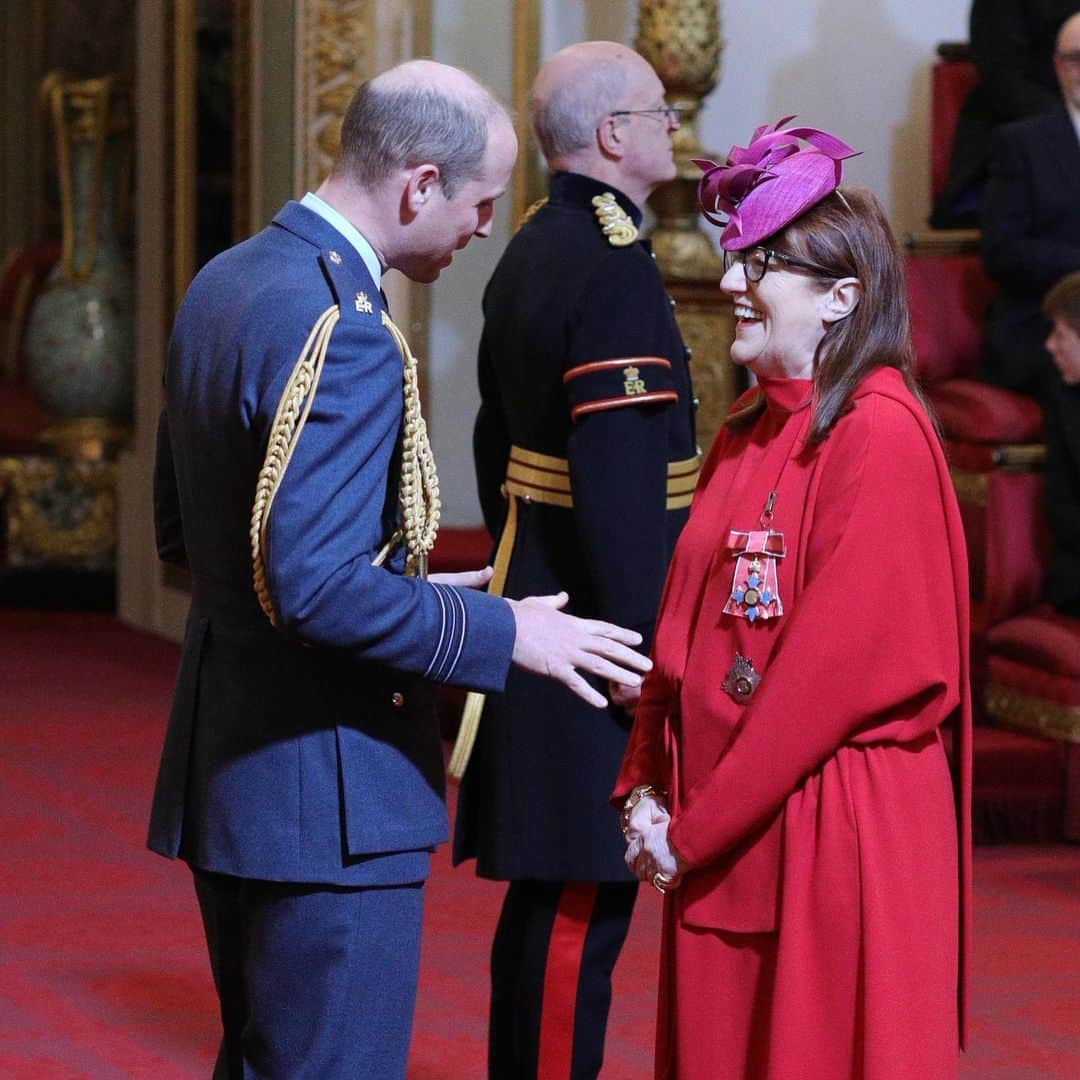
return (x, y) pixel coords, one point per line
(695, 401)
(688, 352)
(526, 499)
(671, 301)
(503, 492)
(397, 699)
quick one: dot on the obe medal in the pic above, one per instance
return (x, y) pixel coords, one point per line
(755, 593)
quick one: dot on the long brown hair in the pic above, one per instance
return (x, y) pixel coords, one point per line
(848, 234)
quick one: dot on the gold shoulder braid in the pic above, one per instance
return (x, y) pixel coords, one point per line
(614, 220)
(418, 494)
(419, 486)
(292, 413)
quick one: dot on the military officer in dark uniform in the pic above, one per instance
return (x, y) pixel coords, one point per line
(302, 775)
(586, 463)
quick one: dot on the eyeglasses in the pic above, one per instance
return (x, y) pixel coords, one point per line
(668, 114)
(755, 262)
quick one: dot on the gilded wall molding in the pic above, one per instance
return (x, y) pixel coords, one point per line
(336, 52)
(1013, 709)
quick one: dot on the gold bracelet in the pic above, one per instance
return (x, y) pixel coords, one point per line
(633, 799)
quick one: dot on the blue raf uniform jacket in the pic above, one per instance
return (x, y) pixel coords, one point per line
(308, 752)
(581, 362)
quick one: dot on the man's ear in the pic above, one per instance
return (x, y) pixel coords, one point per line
(421, 186)
(842, 299)
(609, 138)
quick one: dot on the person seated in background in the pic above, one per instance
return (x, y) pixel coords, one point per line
(1031, 226)
(1062, 432)
(1012, 45)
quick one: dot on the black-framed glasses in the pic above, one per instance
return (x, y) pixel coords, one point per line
(755, 262)
(669, 114)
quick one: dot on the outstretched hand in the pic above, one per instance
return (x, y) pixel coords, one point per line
(560, 646)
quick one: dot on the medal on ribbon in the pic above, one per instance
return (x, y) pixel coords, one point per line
(755, 592)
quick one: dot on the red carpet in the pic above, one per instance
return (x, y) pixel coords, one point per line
(102, 968)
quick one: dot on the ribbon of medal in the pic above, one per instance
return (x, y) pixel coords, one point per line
(755, 592)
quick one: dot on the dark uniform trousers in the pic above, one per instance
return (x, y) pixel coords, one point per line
(555, 949)
(586, 462)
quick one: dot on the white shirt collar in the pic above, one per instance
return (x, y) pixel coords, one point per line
(349, 231)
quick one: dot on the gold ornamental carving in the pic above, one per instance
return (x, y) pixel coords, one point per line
(337, 53)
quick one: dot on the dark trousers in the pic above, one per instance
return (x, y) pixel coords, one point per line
(555, 948)
(314, 981)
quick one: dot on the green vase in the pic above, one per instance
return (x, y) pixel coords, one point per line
(79, 341)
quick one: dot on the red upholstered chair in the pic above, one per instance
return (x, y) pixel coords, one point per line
(21, 416)
(1033, 671)
(991, 435)
(951, 80)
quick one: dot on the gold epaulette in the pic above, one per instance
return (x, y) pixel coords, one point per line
(616, 223)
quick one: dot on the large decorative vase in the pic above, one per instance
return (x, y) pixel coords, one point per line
(79, 347)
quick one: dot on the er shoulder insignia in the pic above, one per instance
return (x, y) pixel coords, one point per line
(363, 304)
(614, 220)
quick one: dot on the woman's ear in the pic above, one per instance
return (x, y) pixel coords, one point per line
(842, 299)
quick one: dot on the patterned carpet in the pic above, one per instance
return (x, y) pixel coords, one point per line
(102, 968)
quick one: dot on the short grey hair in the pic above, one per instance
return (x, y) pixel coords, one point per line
(568, 118)
(388, 129)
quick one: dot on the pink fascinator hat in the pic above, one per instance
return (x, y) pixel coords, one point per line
(768, 184)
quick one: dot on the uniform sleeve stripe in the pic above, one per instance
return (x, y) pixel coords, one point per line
(619, 402)
(442, 631)
(461, 636)
(617, 362)
(452, 639)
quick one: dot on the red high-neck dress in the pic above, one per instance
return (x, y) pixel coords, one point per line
(821, 931)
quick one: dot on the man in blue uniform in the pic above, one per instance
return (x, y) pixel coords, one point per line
(586, 462)
(301, 776)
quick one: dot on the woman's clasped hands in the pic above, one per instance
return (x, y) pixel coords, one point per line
(649, 854)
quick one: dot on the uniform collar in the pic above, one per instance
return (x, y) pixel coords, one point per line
(574, 189)
(349, 231)
(304, 222)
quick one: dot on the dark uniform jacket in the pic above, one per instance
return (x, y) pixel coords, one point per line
(580, 360)
(308, 752)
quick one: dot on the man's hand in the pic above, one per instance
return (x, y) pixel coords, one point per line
(464, 579)
(557, 645)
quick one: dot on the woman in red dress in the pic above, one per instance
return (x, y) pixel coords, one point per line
(786, 782)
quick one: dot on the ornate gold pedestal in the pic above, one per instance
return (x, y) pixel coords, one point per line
(58, 512)
(681, 39)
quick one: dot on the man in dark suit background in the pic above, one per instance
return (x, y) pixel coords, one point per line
(1012, 46)
(301, 776)
(1031, 224)
(586, 463)
(1030, 240)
